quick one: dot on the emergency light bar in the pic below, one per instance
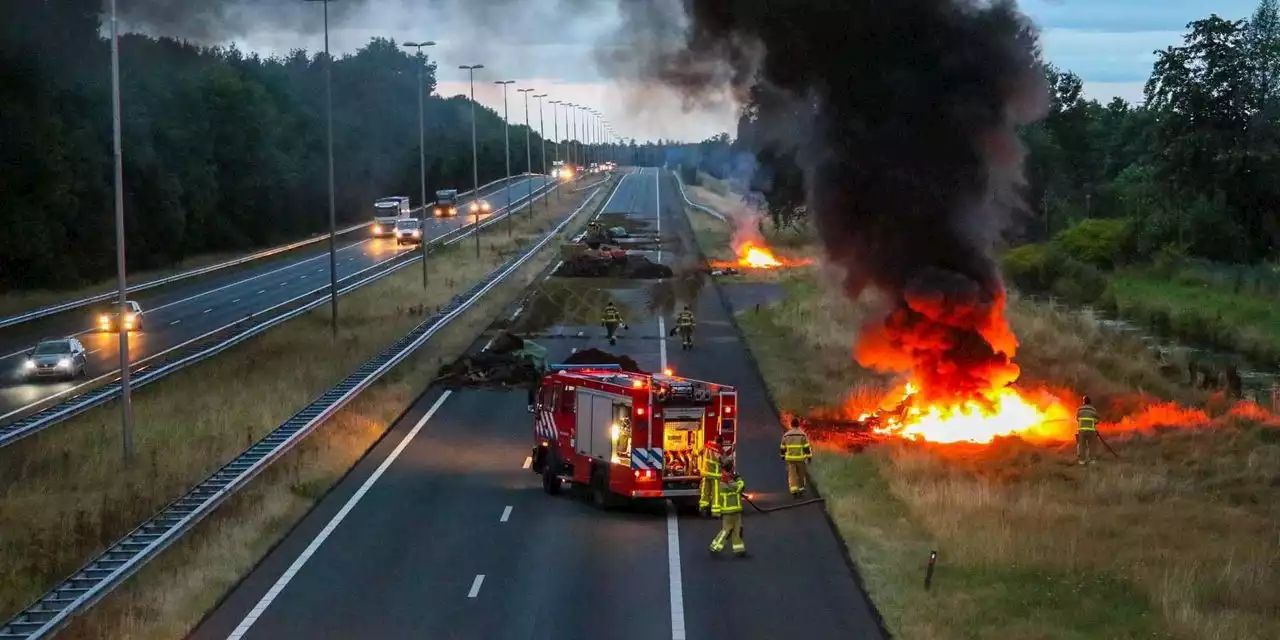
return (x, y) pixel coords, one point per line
(567, 367)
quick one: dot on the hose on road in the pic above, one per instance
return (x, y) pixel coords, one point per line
(780, 507)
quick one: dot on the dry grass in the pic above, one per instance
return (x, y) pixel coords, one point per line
(1175, 540)
(67, 494)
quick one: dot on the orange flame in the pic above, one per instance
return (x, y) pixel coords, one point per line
(999, 413)
(757, 257)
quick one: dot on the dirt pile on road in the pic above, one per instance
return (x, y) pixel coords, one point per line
(596, 356)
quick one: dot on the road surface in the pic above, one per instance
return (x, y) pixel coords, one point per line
(441, 531)
(179, 312)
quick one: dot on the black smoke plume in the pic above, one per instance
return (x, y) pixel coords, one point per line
(212, 21)
(901, 115)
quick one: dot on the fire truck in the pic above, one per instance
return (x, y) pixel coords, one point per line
(627, 436)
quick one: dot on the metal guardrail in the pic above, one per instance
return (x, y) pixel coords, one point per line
(122, 559)
(182, 355)
(693, 204)
(150, 284)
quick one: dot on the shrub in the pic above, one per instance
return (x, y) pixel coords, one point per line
(1045, 268)
(1099, 242)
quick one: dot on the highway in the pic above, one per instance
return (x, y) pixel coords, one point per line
(441, 531)
(179, 312)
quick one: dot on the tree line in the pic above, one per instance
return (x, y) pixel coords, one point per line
(1191, 173)
(223, 150)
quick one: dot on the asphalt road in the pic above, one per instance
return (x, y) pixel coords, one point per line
(441, 531)
(177, 313)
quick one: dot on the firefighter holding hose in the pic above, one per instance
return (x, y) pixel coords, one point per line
(730, 490)
(795, 451)
(1086, 431)
(611, 320)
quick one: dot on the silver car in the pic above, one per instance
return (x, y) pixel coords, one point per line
(63, 358)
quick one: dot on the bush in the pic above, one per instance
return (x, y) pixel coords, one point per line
(1046, 268)
(1100, 242)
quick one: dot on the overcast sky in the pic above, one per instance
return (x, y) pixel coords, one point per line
(542, 44)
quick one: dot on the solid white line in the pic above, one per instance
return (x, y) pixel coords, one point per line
(506, 514)
(528, 462)
(297, 565)
(616, 189)
(657, 192)
(673, 567)
(662, 342)
(475, 586)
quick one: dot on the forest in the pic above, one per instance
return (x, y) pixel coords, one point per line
(223, 150)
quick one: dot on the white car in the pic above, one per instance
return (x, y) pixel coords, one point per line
(408, 231)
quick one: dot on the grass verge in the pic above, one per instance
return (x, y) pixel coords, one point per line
(1174, 540)
(67, 495)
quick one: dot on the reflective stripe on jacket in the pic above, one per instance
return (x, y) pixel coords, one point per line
(1087, 418)
(730, 495)
(611, 315)
(685, 319)
(795, 446)
(711, 465)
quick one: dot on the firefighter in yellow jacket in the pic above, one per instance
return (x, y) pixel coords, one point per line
(611, 320)
(730, 500)
(1086, 431)
(684, 326)
(709, 469)
(795, 451)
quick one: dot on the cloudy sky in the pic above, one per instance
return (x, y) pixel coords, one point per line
(549, 45)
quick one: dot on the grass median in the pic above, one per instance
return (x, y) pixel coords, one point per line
(67, 494)
(1176, 539)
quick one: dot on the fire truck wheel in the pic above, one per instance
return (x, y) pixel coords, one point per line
(600, 494)
(539, 456)
(550, 482)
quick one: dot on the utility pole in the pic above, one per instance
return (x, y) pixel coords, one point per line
(542, 133)
(574, 108)
(422, 153)
(555, 131)
(333, 249)
(475, 163)
(126, 404)
(528, 149)
(506, 136)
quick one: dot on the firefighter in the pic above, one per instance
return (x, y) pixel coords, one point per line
(709, 468)
(684, 326)
(730, 501)
(795, 451)
(611, 321)
(1086, 431)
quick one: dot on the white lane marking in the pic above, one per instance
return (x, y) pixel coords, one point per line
(293, 569)
(657, 193)
(237, 283)
(207, 310)
(235, 301)
(304, 276)
(261, 291)
(519, 310)
(673, 567)
(320, 270)
(506, 514)
(528, 461)
(174, 322)
(616, 189)
(475, 586)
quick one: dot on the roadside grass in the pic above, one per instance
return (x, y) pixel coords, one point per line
(1199, 313)
(66, 493)
(1174, 540)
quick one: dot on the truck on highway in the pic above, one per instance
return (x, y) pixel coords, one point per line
(627, 435)
(386, 212)
(446, 202)
(560, 171)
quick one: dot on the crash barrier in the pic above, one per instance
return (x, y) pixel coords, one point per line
(103, 297)
(121, 560)
(713, 212)
(199, 348)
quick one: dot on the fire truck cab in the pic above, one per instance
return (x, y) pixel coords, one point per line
(624, 435)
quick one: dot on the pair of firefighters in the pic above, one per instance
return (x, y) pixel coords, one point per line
(612, 319)
(722, 487)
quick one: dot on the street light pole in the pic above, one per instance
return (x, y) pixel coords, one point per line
(126, 404)
(574, 108)
(475, 163)
(528, 149)
(542, 134)
(333, 249)
(555, 132)
(506, 135)
(422, 154)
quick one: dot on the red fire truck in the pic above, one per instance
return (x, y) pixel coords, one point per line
(625, 435)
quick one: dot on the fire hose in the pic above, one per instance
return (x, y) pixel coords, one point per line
(780, 507)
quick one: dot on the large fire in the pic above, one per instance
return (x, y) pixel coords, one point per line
(994, 413)
(756, 257)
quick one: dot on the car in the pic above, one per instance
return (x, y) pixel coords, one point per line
(55, 358)
(132, 318)
(408, 231)
(479, 206)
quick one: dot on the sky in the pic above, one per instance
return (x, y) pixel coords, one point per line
(549, 45)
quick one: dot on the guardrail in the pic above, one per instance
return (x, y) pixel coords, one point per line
(693, 204)
(122, 559)
(150, 284)
(174, 359)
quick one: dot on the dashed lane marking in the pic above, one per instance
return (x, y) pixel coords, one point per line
(475, 586)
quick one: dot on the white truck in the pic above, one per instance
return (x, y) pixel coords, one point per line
(388, 211)
(446, 202)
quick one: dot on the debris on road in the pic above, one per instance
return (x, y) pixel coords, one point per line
(607, 261)
(510, 361)
(596, 356)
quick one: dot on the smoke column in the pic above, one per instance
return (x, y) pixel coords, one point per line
(902, 117)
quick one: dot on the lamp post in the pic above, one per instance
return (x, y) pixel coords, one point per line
(506, 136)
(528, 148)
(574, 109)
(475, 163)
(555, 132)
(422, 153)
(333, 249)
(542, 134)
(126, 404)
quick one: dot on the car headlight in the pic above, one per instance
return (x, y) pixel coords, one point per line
(485, 206)
(453, 210)
(64, 363)
(29, 364)
(104, 319)
(416, 233)
(377, 229)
